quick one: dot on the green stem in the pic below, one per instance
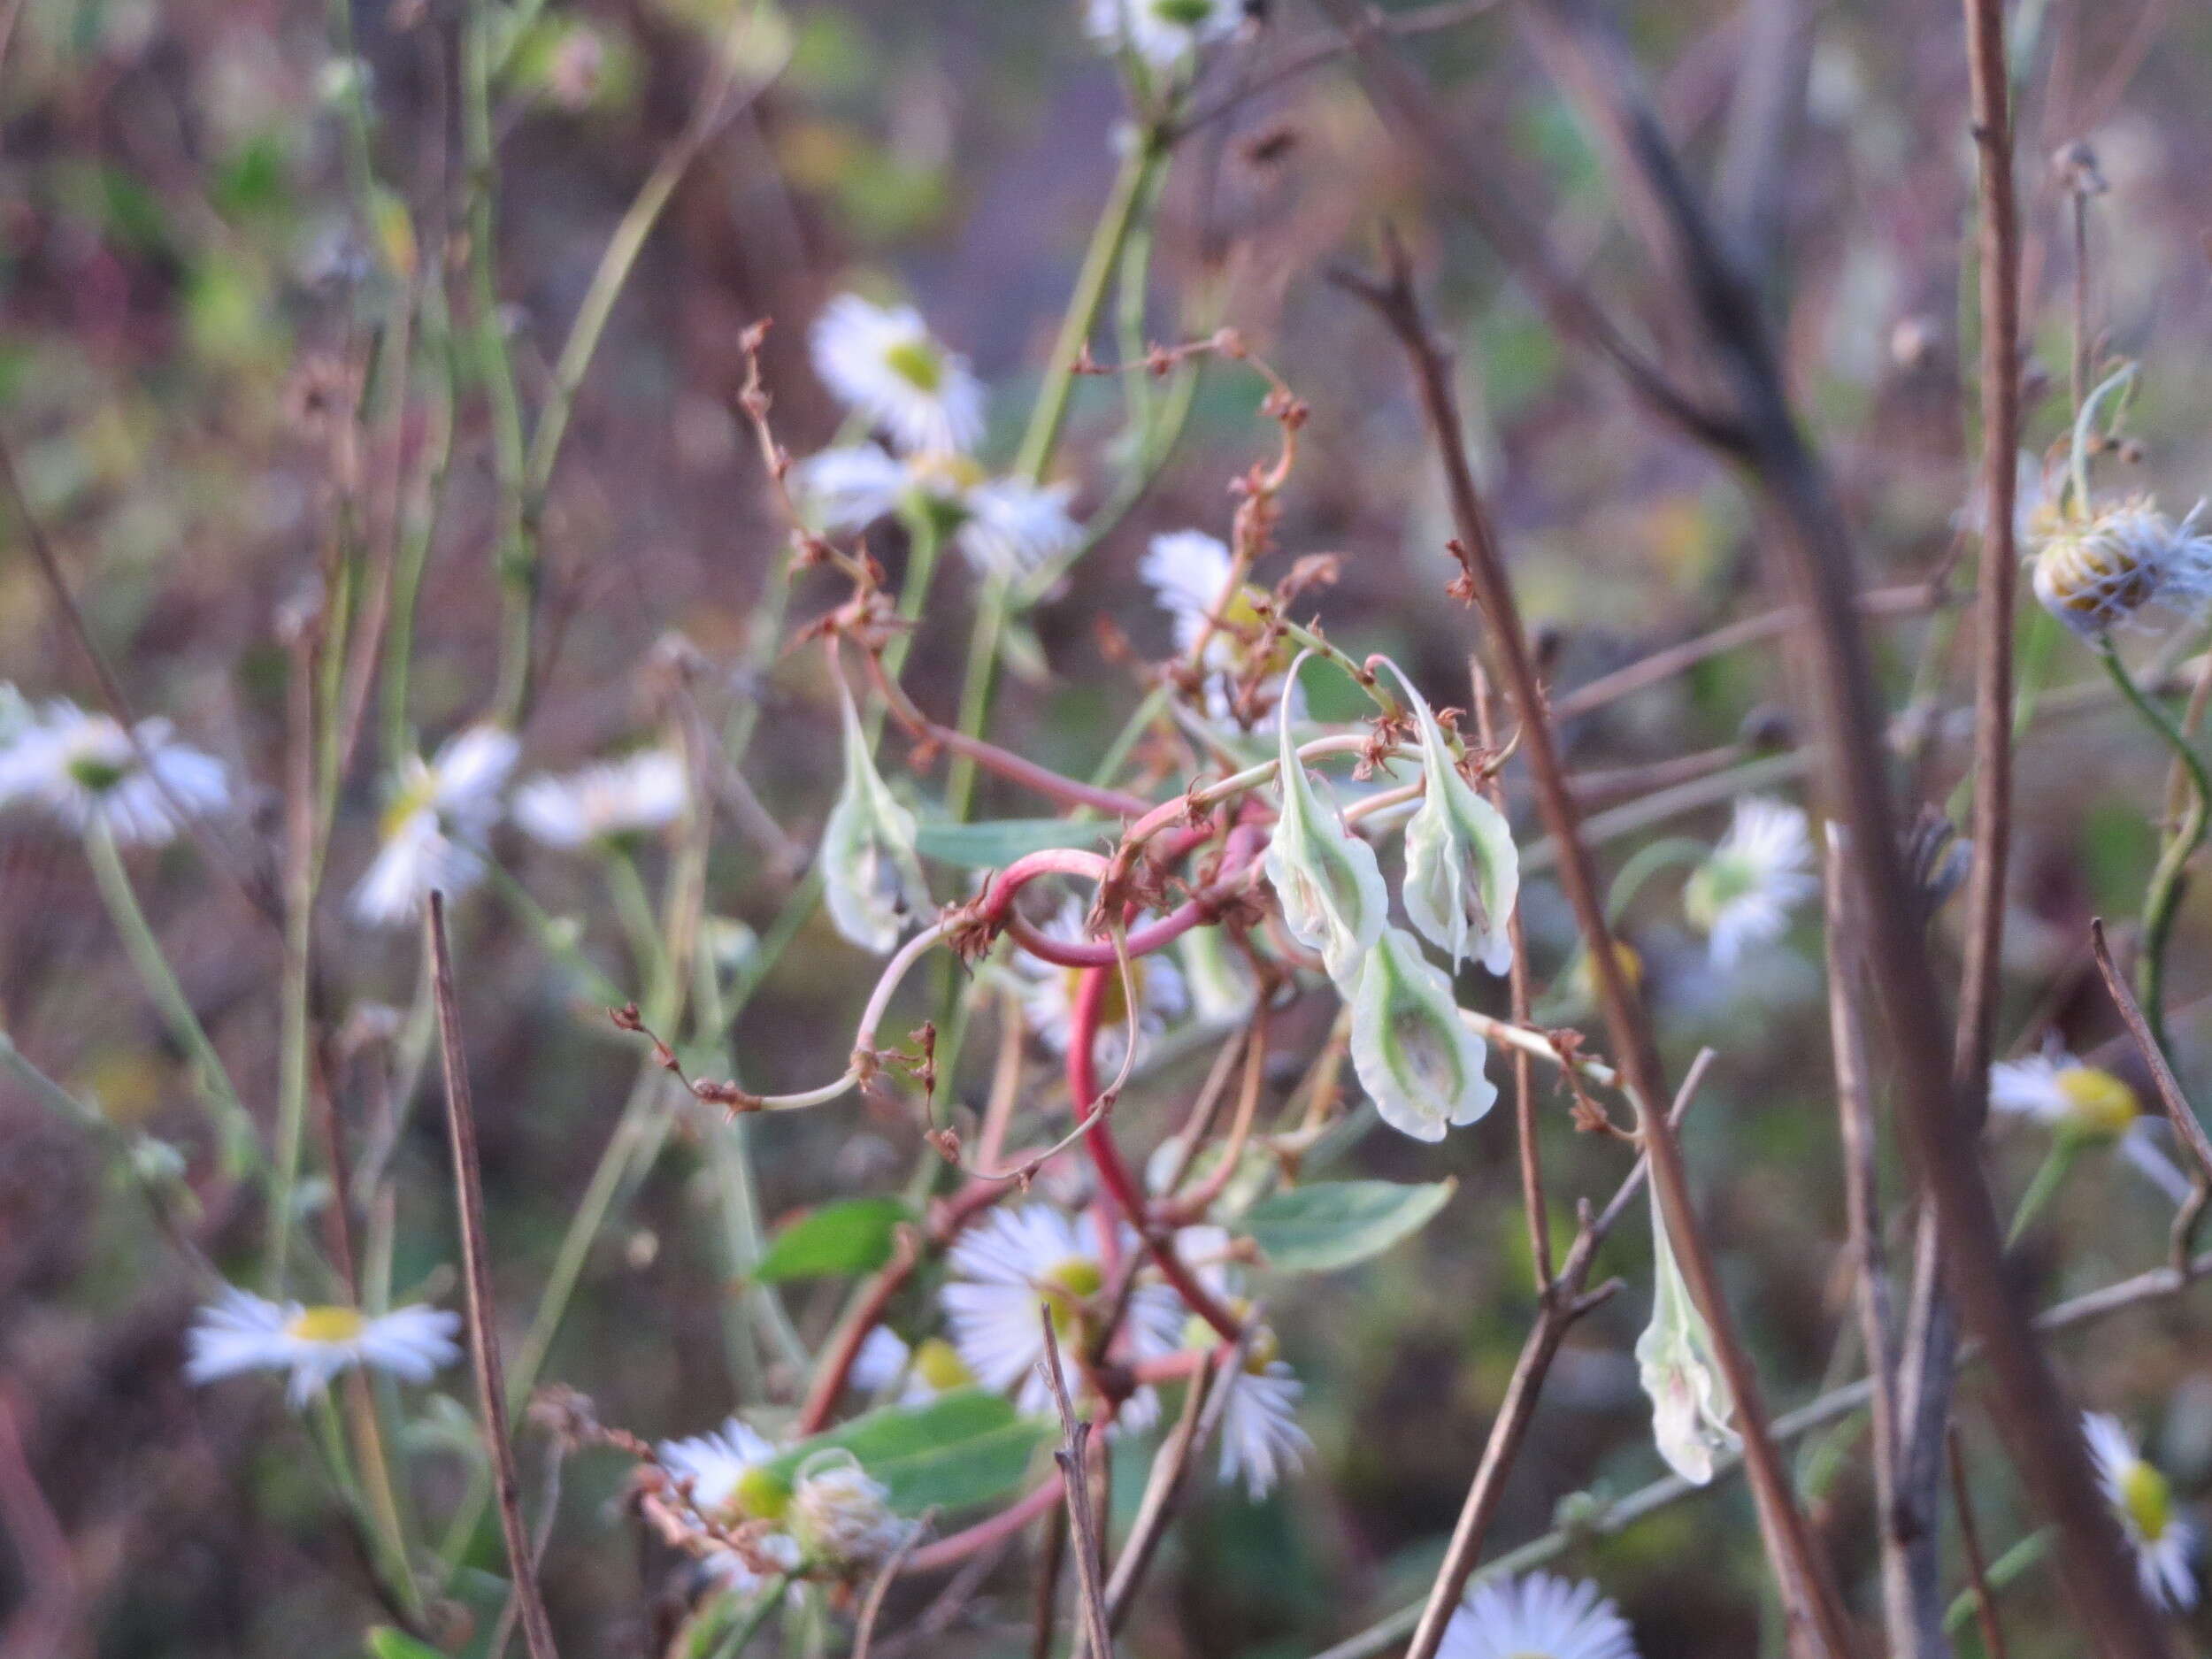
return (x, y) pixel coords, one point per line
(770, 1598)
(515, 561)
(420, 524)
(2009, 1567)
(2161, 898)
(1647, 862)
(233, 1126)
(2065, 1149)
(634, 906)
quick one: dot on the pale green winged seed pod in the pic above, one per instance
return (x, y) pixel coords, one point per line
(1463, 872)
(1414, 1056)
(1690, 1401)
(870, 877)
(1332, 890)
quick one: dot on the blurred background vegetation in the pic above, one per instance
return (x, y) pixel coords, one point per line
(184, 285)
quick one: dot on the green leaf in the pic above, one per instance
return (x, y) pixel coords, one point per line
(962, 1448)
(995, 845)
(387, 1643)
(1328, 1224)
(854, 1237)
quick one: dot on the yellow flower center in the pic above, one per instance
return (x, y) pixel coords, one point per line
(917, 363)
(417, 789)
(1067, 1285)
(1584, 979)
(326, 1325)
(2098, 1103)
(1187, 14)
(2145, 1496)
(96, 773)
(761, 1494)
(938, 1363)
(947, 474)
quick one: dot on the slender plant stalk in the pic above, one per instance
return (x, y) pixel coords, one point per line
(468, 1187)
(241, 1144)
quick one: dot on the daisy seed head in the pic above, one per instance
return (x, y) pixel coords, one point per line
(2097, 573)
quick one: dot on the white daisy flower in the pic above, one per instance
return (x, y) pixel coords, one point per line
(1742, 894)
(1189, 572)
(85, 769)
(439, 813)
(2094, 574)
(1539, 1616)
(729, 1482)
(1002, 526)
(2086, 1104)
(613, 801)
(1161, 32)
(2164, 1542)
(919, 1374)
(1261, 1440)
(240, 1331)
(1049, 1000)
(883, 363)
(1011, 1262)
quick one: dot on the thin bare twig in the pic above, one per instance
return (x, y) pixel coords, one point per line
(1971, 1545)
(871, 1609)
(1486, 580)
(1912, 1566)
(1563, 1301)
(2187, 1129)
(468, 1187)
(1074, 1460)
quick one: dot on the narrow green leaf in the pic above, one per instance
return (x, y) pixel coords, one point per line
(995, 844)
(1328, 1224)
(387, 1643)
(962, 1448)
(854, 1237)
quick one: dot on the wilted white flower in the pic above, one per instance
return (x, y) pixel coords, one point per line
(1012, 1262)
(1539, 1616)
(839, 1513)
(2088, 1105)
(1742, 894)
(434, 826)
(1414, 1055)
(1002, 526)
(2164, 1542)
(1330, 888)
(240, 1331)
(84, 768)
(611, 801)
(883, 363)
(1161, 32)
(1690, 1400)
(730, 1482)
(1049, 999)
(871, 877)
(1463, 872)
(2095, 573)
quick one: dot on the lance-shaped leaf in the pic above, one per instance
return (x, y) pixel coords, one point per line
(1463, 872)
(870, 875)
(1414, 1055)
(1690, 1401)
(1332, 890)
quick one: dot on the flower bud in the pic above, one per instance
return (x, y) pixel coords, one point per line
(2094, 573)
(871, 876)
(1690, 1401)
(1462, 872)
(1414, 1056)
(1331, 887)
(839, 1514)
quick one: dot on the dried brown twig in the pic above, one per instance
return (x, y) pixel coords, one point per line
(2187, 1129)
(468, 1187)
(1073, 1456)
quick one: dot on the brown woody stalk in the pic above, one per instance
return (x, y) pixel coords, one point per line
(1804, 1577)
(1074, 1460)
(491, 1390)
(2179, 1113)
